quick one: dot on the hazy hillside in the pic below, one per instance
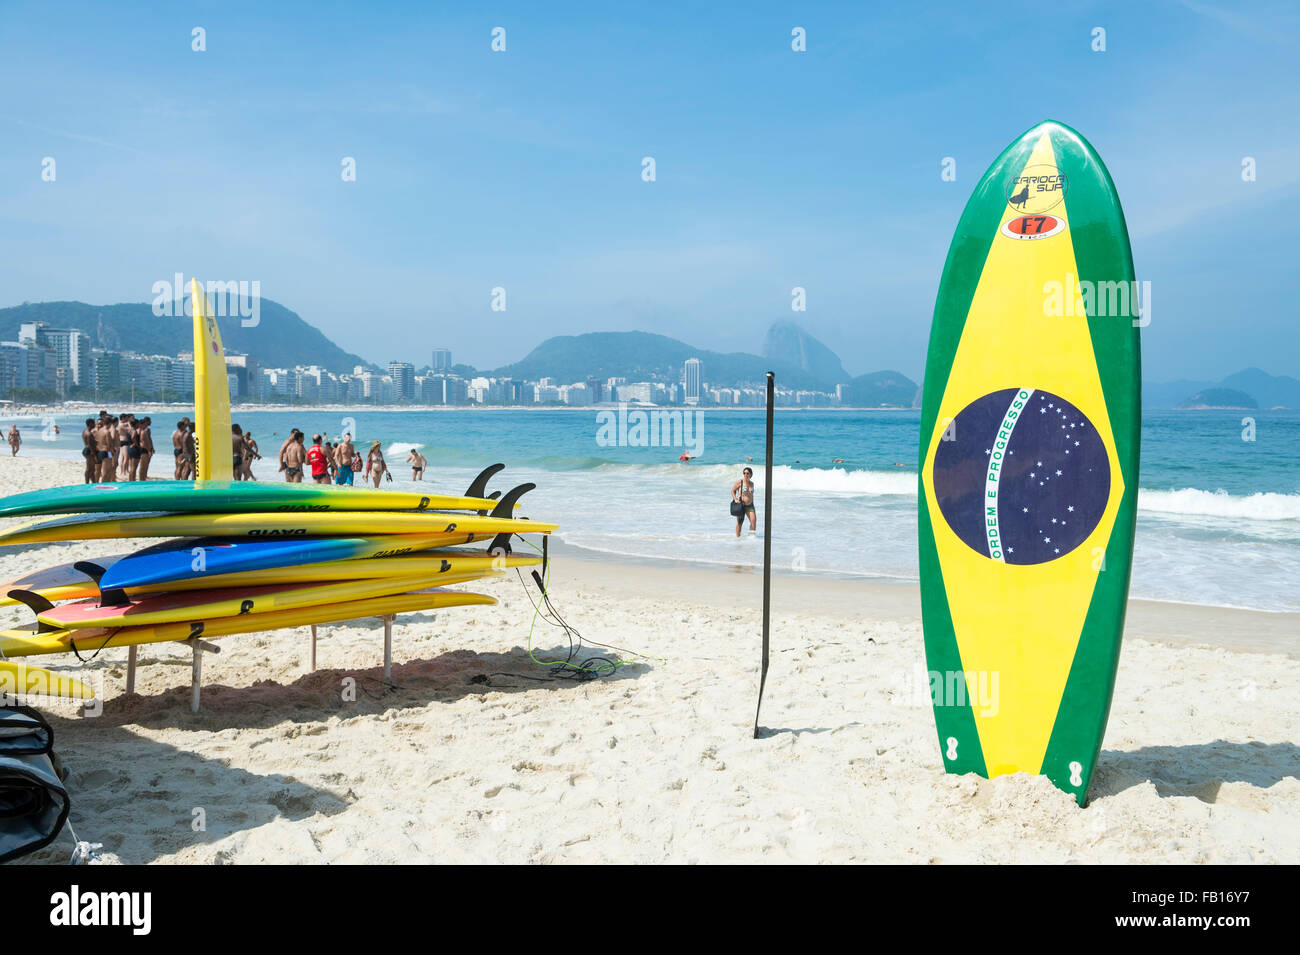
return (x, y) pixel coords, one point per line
(643, 356)
(1220, 398)
(281, 338)
(788, 343)
(1271, 391)
(890, 388)
(1252, 385)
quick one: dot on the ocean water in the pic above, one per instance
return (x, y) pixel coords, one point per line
(1218, 518)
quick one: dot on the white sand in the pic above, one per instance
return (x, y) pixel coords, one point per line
(657, 763)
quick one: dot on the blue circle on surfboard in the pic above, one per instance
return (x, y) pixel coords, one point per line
(1022, 476)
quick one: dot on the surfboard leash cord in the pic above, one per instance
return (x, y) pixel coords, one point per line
(544, 609)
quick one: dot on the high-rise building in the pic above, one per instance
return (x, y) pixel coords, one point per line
(71, 349)
(441, 363)
(403, 375)
(244, 368)
(692, 379)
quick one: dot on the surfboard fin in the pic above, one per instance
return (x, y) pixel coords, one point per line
(478, 486)
(107, 598)
(90, 569)
(506, 506)
(36, 604)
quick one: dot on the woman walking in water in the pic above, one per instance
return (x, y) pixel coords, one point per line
(375, 464)
(742, 501)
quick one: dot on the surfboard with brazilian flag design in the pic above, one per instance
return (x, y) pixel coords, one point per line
(1030, 422)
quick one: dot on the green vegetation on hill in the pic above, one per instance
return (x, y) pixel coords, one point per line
(281, 339)
(1220, 398)
(643, 356)
(890, 389)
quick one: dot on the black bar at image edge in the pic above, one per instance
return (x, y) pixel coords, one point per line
(304, 903)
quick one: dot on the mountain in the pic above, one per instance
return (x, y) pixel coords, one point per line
(281, 339)
(644, 356)
(1271, 391)
(1258, 387)
(1219, 398)
(1169, 394)
(883, 388)
(788, 342)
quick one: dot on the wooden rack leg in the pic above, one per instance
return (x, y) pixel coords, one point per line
(196, 668)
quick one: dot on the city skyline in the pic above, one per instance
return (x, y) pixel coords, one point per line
(62, 363)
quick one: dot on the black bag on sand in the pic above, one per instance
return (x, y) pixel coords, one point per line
(737, 509)
(33, 800)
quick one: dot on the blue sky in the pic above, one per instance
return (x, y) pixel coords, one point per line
(522, 169)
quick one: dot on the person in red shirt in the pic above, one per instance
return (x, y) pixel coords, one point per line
(320, 469)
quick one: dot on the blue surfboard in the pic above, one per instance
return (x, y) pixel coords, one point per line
(192, 558)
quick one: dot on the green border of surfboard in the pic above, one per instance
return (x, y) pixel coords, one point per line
(1102, 253)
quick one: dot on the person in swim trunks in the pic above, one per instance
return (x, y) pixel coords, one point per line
(742, 492)
(416, 460)
(250, 455)
(178, 440)
(319, 461)
(343, 456)
(105, 441)
(91, 474)
(144, 436)
(133, 451)
(294, 456)
(124, 431)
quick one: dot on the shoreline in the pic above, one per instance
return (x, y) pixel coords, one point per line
(79, 407)
(1164, 622)
(1269, 628)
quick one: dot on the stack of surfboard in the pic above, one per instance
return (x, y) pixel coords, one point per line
(244, 558)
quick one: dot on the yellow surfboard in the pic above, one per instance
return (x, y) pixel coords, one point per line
(269, 526)
(27, 641)
(19, 679)
(212, 447)
(174, 607)
(67, 583)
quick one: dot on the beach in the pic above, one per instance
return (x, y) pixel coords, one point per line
(474, 753)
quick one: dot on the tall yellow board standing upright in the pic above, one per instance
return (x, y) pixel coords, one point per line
(215, 462)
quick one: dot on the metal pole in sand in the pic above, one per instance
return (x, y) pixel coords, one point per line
(313, 648)
(767, 543)
(196, 675)
(388, 647)
(131, 655)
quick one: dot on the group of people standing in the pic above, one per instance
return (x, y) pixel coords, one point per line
(117, 448)
(184, 450)
(120, 448)
(333, 463)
